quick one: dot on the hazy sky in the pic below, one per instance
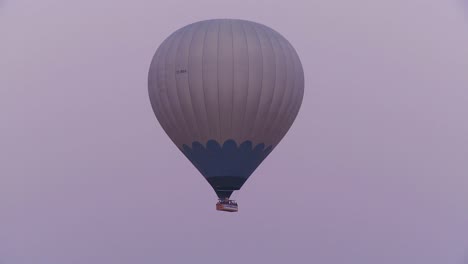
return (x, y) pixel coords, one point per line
(374, 170)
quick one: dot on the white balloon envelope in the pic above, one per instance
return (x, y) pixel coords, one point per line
(226, 92)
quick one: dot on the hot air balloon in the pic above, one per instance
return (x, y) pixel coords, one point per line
(226, 91)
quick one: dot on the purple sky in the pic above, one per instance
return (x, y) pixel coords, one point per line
(374, 170)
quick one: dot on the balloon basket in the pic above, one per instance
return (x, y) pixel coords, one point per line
(227, 205)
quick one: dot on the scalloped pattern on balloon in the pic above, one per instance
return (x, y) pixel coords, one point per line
(227, 160)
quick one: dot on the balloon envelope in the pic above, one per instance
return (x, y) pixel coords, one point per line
(226, 92)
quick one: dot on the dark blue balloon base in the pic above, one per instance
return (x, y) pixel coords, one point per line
(226, 167)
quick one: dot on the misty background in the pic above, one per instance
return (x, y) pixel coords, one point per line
(374, 169)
